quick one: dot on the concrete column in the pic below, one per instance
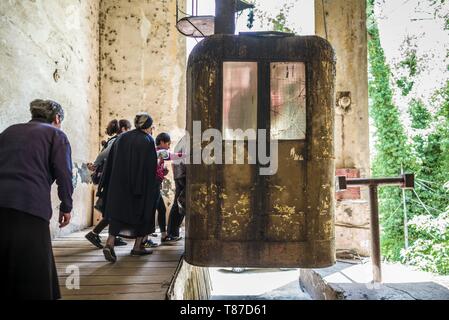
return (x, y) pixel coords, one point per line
(343, 24)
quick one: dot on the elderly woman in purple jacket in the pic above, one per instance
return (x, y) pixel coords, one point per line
(33, 156)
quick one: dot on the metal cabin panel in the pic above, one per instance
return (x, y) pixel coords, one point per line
(236, 217)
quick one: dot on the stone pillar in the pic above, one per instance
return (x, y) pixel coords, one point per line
(343, 24)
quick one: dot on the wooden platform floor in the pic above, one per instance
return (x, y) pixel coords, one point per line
(130, 278)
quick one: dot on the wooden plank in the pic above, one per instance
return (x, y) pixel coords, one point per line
(64, 252)
(118, 264)
(115, 296)
(85, 244)
(136, 278)
(95, 280)
(121, 257)
(89, 272)
(103, 240)
(58, 244)
(116, 289)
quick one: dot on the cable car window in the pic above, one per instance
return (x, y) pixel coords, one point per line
(288, 101)
(239, 99)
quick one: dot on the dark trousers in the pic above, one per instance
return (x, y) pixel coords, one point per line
(27, 263)
(161, 211)
(101, 226)
(99, 205)
(177, 213)
(162, 214)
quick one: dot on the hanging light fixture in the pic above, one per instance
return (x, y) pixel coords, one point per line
(200, 26)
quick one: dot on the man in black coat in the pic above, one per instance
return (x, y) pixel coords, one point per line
(129, 187)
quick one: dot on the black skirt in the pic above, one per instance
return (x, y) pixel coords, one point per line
(27, 263)
(127, 231)
(146, 227)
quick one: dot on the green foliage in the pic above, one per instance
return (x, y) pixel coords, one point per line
(408, 66)
(278, 22)
(391, 141)
(432, 151)
(250, 24)
(425, 152)
(430, 252)
(392, 149)
(419, 114)
(410, 63)
(444, 95)
(405, 85)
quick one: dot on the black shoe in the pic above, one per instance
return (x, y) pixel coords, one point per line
(109, 254)
(119, 242)
(140, 253)
(150, 244)
(170, 240)
(94, 239)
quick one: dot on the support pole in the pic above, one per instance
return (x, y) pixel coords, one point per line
(404, 199)
(375, 234)
(404, 203)
(225, 16)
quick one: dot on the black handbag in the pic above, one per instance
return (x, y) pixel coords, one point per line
(96, 176)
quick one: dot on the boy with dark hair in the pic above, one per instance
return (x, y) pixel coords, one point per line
(163, 144)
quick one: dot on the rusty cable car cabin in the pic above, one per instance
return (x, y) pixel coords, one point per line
(235, 216)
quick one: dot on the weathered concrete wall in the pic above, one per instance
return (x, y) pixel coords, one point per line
(49, 49)
(345, 28)
(143, 62)
(352, 228)
(343, 23)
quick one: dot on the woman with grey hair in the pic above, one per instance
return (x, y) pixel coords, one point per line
(129, 187)
(33, 156)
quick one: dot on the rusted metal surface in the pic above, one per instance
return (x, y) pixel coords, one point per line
(406, 181)
(225, 16)
(236, 217)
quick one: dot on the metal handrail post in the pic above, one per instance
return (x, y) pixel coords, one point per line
(406, 181)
